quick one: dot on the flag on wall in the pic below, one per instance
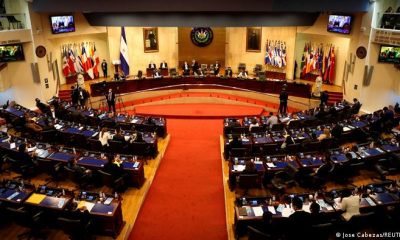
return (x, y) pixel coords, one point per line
(275, 54)
(123, 57)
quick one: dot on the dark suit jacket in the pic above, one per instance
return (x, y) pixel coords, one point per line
(118, 138)
(299, 225)
(163, 65)
(112, 97)
(152, 66)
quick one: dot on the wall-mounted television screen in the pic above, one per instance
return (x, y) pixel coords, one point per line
(62, 24)
(11, 53)
(339, 24)
(389, 54)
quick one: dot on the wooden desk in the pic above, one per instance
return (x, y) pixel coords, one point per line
(107, 219)
(275, 87)
(135, 170)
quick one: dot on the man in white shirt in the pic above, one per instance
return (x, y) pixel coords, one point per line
(242, 74)
(350, 205)
(272, 120)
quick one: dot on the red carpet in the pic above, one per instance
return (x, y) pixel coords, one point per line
(186, 199)
(198, 110)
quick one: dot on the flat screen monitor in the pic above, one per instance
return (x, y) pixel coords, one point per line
(62, 24)
(339, 24)
(11, 53)
(389, 54)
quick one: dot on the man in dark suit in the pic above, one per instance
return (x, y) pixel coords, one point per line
(163, 65)
(186, 69)
(283, 98)
(104, 68)
(299, 221)
(195, 66)
(228, 72)
(118, 137)
(156, 74)
(152, 65)
(111, 100)
(356, 106)
(216, 68)
(41, 106)
(337, 131)
(74, 95)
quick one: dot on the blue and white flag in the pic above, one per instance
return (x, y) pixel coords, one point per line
(123, 56)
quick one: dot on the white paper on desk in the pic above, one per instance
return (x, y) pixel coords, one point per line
(286, 212)
(89, 205)
(271, 209)
(31, 149)
(80, 129)
(135, 120)
(258, 162)
(270, 164)
(12, 145)
(57, 126)
(126, 138)
(346, 129)
(239, 168)
(95, 134)
(258, 211)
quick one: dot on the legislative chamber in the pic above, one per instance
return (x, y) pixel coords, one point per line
(199, 120)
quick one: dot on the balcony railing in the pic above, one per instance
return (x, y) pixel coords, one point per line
(12, 21)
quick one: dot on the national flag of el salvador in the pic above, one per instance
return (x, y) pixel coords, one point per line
(124, 53)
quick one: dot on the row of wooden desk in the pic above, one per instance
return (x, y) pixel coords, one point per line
(274, 87)
(267, 165)
(249, 210)
(106, 217)
(91, 160)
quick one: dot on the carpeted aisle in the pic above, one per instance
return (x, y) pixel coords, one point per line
(186, 199)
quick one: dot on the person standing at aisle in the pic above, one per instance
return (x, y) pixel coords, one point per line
(111, 100)
(283, 98)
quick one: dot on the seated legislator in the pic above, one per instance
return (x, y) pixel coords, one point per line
(350, 204)
(152, 65)
(250, 168)
(228, 72)
(235, 143)
(355, 108)
(157, 74)
(138, 138)
(242, 74)
(326, 134)
(199, 73)
(195, 66)
(217, 66)
(186, 69)
(253, 123)
(23, 157)
(317, 217)
(41, 106)
(110, 167)
(272, 120)
(53, 113)
(118, 137)
(163, 65)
